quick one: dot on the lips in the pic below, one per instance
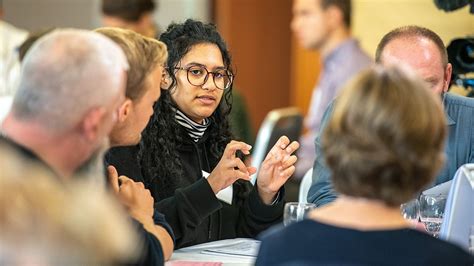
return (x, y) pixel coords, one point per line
(206, 99)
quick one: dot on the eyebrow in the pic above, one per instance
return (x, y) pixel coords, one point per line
(431, 79)
(201, 65)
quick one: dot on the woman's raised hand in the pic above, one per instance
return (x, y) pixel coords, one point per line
(277, 167)
(230, 168)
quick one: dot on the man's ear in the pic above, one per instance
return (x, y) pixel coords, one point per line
(90, 126)
(165, 80)
(124, 110)
(447, 76)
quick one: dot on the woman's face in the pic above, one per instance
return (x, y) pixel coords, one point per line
(198, 102)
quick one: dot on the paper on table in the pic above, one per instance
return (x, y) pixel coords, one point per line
(226, 194)
(194, 263)
(240, 247)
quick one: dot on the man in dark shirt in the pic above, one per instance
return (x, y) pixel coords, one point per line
(145, 57)
(71, 87)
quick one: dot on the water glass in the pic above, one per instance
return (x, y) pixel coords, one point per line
(296, 211)
(432, 212)
(411, 211)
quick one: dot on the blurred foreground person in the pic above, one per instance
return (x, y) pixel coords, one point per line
(45, 222)
(71, 87)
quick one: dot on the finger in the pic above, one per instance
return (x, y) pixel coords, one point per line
(270, 161)
(147, 192)
(292, 147)
(140, 185)
(289, 162)
(237, 163)
(282, 142)
(113, 178)
(233, 146)
(251, 170)
(240, 175)
(279, 146)
(285, 174)
(124, 181)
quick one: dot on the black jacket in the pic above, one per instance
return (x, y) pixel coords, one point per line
(194, 212)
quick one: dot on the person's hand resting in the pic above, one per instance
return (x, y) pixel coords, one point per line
(139, 204)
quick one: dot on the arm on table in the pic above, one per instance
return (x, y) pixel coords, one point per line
(321, 191)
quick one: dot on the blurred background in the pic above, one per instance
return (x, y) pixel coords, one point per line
(272, 70)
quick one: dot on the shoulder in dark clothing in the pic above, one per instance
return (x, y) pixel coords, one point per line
(313, 243)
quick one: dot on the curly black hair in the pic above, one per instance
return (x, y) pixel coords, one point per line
(158, 155)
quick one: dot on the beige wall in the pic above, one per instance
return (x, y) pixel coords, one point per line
(371, 20)
(374, 18)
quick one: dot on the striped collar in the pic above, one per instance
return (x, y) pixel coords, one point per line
(195, 130)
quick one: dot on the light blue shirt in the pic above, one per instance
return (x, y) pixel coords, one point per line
(459, 147)
(339, 66)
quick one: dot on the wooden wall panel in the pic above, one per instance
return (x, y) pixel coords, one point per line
(259, 38)
(305, 69)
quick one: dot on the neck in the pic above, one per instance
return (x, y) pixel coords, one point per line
(337, 37)
(360, 213)
(56, 150)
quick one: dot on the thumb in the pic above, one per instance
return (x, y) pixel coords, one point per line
(113, 178)
(252, 170)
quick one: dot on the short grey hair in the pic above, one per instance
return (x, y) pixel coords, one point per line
(67, 73)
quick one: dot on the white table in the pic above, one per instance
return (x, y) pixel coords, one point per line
(209, 252)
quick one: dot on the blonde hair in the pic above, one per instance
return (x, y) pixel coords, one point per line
(52, 222)
(143, 54)
(385, 138)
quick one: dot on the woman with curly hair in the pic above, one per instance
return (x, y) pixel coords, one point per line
(187, 157)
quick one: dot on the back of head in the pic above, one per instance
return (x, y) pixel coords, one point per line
(385, 138)
(409, 33)
(65, 74)
(143, 54)
(30, 40)
(128, 10)
(344, 5)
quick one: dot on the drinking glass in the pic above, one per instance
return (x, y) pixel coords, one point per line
(432, 211)
(411, 211)
(296, 211)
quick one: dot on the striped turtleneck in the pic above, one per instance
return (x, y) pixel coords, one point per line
(195, 130)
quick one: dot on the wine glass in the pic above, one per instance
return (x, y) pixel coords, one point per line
(432, 212)
(296, 211)
(411, 211)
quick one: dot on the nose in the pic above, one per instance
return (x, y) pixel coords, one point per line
(209, 84)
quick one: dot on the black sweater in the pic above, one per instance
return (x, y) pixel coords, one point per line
(194, 212)
(313, 243)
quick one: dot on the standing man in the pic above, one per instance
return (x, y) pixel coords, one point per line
(423, 51)
(136, 15)
(324, 26)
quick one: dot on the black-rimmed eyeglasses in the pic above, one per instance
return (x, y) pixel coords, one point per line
(198, 75)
